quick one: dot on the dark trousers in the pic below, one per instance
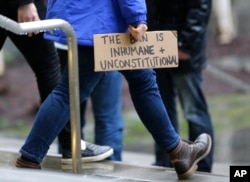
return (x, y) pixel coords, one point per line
(39, 53)
(187, 86)
(42, 58)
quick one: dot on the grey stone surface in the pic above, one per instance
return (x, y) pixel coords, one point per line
(104, 171)
(135, 167)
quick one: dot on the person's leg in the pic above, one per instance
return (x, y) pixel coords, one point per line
(107, 107)
(168, 94)
(54, 112)
(150, 108)
(65, 134)
(89, 152)
(195, 109)
(43, 60)
(106, 102)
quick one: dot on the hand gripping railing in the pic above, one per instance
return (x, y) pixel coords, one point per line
(46, 25)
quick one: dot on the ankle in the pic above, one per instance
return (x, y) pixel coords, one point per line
(23, 162)
(175, 150)
(28, 160)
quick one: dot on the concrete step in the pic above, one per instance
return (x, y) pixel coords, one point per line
(13, 144)
(97, 171)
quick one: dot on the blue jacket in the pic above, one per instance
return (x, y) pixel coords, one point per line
(88, 17)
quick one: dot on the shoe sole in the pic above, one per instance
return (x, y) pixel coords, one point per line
(194, 167)
(90, 159)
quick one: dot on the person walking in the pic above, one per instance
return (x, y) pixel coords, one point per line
(42, 57)
(106, 101)
(92, 18)
(190, 20)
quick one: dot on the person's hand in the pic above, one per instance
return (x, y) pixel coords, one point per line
(137, 32)
(27, 13)
(183, 55)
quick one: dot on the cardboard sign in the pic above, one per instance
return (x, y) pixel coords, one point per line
(119, 51)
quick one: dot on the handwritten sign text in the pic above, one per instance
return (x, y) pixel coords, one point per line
(157, 49)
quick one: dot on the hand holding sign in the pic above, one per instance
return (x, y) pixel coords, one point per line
(120, 51)
(137, 32)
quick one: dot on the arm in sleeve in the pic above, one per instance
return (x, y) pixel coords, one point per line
(192, 34)
(133, 11)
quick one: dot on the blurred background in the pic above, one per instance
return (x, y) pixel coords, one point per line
(226, 85)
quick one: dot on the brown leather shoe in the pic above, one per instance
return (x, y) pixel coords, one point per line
(187, 154)
(22, 163)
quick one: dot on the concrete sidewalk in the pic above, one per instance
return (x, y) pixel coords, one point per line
(53, 170)
(132, 158)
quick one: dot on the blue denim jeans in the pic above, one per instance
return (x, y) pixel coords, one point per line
(106, 100)
(188, 87)
(54, 113)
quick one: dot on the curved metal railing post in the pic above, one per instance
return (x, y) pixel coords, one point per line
(46, 25)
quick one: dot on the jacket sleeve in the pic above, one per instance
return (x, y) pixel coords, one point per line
(133, 11)
(193, 32)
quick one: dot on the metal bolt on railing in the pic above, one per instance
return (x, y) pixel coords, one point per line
(50, 25)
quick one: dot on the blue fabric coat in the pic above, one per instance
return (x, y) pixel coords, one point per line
(89, 17)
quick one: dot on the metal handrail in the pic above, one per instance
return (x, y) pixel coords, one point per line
(48, 25)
